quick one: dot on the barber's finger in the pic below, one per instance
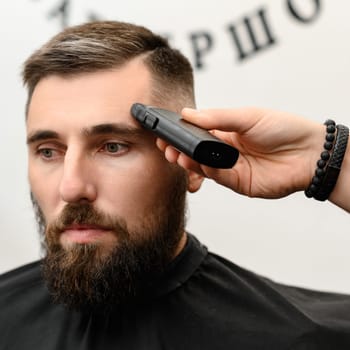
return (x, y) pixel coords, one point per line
(171, 154)
(238, 120)
(161, 144)
(174, 156)
(189, 164)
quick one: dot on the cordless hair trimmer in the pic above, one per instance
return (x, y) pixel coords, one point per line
(195, 142)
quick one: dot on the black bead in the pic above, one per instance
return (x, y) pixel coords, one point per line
(320, 186)
(328, 145)
(330, 137)
(331, 129)
(308, 193)
(319, 172)
(313, 188)
(321, 163)
(316, 180)
(325, 155)
(329, 122)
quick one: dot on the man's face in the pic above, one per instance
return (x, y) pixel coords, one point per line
(105, 193)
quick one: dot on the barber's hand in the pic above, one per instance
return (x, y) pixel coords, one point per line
(278, 151)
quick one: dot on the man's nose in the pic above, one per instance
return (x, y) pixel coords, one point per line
(77, 182)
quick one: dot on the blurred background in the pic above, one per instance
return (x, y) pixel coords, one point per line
(286, 55)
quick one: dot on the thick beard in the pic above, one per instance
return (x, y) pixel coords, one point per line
(82, 278)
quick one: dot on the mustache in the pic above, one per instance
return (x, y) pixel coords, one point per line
(84, 214)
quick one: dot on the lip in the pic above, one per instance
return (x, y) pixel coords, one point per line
(84, 233)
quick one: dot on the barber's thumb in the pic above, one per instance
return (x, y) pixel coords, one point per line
(197, 117)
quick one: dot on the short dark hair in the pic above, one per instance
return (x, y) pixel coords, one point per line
(105, 45)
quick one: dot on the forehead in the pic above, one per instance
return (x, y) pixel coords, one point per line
(89, 98)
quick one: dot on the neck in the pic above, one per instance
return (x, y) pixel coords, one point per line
(180, 245)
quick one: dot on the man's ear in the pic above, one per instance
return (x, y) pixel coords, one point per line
(194, 181)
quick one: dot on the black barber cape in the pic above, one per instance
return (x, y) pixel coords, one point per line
(203, 302)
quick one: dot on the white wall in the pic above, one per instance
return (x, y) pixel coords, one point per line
(307, 71)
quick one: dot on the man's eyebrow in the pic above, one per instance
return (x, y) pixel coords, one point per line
(100, 129)
(117, 129)
(41, 135)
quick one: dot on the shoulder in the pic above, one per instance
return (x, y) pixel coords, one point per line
(20, 279)
(325, 309)
(22, 292)
(220, 269)
(26, 309)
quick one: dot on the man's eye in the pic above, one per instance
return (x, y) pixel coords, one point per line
(114, 147)
(46, 152)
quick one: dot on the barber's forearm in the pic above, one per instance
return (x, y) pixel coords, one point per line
(341, 193)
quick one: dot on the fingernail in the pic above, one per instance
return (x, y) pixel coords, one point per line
(189, 110)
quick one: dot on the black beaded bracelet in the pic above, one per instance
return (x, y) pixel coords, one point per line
(328, 167)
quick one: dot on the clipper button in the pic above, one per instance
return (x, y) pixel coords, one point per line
(150, 121)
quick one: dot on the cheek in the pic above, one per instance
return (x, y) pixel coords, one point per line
(140, 192)
(130, 195)
(44, 191)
